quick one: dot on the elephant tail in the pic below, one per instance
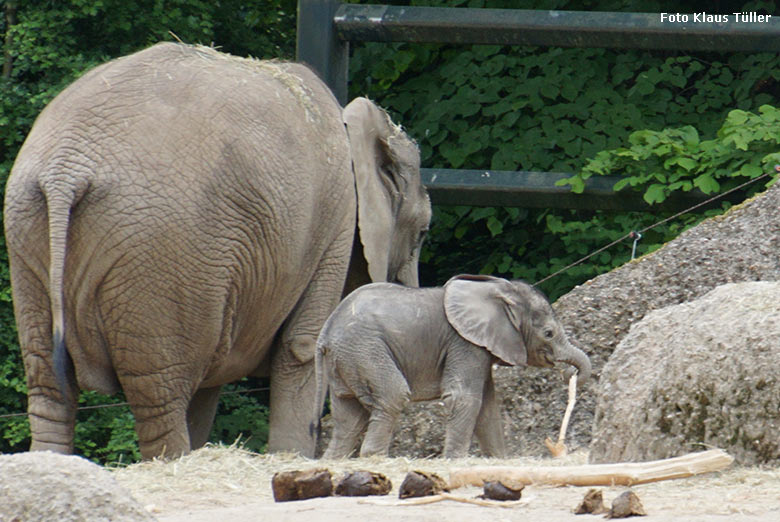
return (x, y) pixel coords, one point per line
(320, 372)
(59, 204)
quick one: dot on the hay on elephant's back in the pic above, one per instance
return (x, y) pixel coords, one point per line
(279, 70)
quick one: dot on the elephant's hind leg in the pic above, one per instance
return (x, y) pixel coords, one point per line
(292, 366)
(52, 415)
(161, 425)
(200, 415)
(158, 395)
(388, 402)
(350, 419)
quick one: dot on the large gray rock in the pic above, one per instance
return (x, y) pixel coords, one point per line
(702, 373)
(43, 485)
(741, 245)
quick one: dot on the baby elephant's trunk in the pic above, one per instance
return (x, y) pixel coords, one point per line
(570, 354)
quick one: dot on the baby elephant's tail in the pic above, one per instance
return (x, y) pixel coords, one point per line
(315, 428)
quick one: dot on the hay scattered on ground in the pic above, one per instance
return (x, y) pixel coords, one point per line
(220, 476)
(215, 475)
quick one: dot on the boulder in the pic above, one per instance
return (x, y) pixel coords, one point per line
(43, 485)
(741, 245)
(695, 375)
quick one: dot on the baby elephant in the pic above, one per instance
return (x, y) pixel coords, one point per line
(386, 344)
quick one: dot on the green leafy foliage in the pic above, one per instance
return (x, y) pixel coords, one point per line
(676, 159)
(242, 415)
(106, 434)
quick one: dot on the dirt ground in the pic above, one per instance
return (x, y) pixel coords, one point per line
(231, 484)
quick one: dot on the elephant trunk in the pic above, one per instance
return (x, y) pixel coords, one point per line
(570, 354)
(407, 275)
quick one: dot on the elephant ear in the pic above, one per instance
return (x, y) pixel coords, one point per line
(482, 309)
(379, 186)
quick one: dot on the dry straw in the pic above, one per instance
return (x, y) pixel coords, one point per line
(221, 476)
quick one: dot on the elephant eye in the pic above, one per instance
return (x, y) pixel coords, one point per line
(549, 334)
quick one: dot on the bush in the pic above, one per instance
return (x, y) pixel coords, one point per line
(661, 162)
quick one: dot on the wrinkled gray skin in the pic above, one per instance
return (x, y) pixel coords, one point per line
(178, 219)
(385, 345)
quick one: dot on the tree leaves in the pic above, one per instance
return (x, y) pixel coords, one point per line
(706, 183)
(655, 193)
(660, 162)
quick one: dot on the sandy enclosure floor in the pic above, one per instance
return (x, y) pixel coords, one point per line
(219, 483)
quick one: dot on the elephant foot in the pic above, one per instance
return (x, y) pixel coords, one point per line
(170, 447)
(52, 424)
(163, 435)
(64, 449)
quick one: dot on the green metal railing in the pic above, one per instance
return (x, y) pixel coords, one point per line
(325, 28)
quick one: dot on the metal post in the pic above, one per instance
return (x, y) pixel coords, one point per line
(319, 47)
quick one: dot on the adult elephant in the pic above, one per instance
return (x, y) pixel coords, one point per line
(179, 218)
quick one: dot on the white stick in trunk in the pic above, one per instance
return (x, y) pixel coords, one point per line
(558, 449)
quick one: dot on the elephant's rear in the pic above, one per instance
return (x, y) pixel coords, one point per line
(52, 175)
(36, 218)
(124, 153)
(155, 178)
(373, 329)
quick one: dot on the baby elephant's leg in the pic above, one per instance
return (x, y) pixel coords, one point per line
(463, 383)
(386, 401)
(462, 406)
(349, 422)
(490, 428)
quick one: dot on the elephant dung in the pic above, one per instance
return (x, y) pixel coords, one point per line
(421, 484)
(592, 504)
(626, 505)
(300, 485)
(498, 491)
(363, 484)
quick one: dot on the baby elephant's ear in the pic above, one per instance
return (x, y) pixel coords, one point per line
(482, 311)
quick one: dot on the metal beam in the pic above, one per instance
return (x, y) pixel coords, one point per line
(500, 188)
(318, 46)
(383, 23)
(325, 27)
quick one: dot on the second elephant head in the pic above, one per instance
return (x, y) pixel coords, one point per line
(393, 207)
(386, 345)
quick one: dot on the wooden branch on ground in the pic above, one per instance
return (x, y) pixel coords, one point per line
(430, 499)
(623, 474)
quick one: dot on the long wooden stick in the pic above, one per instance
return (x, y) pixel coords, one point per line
(558, 449)
(624, 474)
